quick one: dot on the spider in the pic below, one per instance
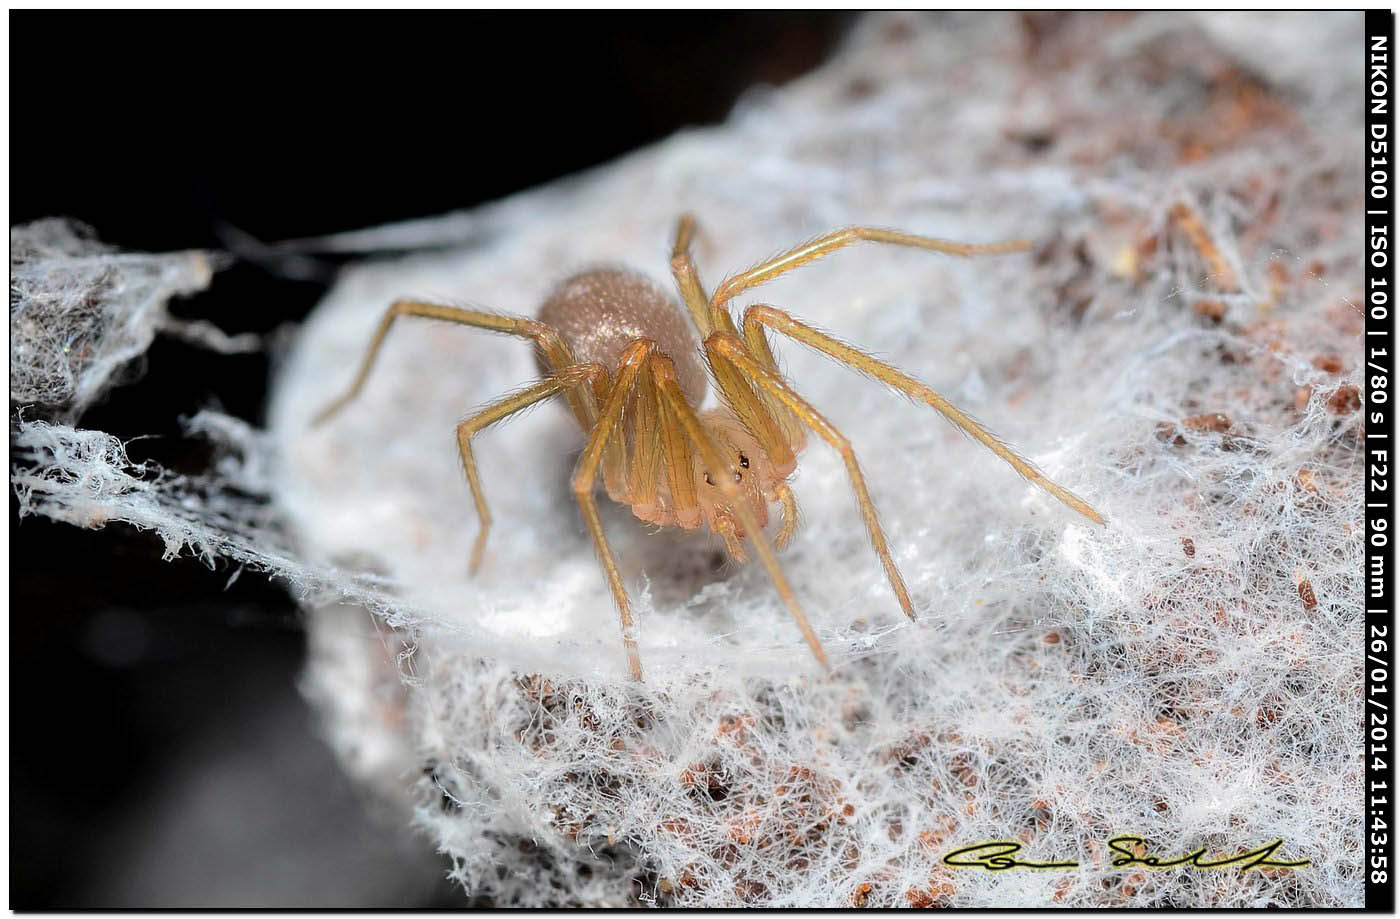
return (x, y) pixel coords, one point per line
(620, 352)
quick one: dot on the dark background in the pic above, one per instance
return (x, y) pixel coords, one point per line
(159, 752)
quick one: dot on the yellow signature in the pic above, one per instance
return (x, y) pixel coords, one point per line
(999, 855)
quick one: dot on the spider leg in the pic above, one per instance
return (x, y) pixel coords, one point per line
(766, 420)
(632, 362)
(678, 458)
(688, 280)
(644, 468)
(731, 350)
(681, 413)
(762, 315)
(685, 229)
(498, 411)
(758, 416)
(550, 343)
(777, 430)
(828, 243)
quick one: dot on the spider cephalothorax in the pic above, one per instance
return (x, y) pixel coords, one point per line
(634, 374)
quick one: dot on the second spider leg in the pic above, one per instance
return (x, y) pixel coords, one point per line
(632, 362)
(556, 352)
(498, 411)
(829, 242)
(688, 280)
(763, 315)
(729, 349)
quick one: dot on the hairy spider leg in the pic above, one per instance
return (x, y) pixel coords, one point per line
(685, 231)
(756, 317)
(828, 243)
(583, 401)
(679, 459)
(792, 427)
(688, 278)
(728, 349)
(577, 375)
(632, 362)
(775, 428)
(644, 465)
(681, 413)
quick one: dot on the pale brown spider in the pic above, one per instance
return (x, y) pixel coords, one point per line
(617, 348)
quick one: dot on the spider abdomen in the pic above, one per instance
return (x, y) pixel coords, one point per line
(601, 311)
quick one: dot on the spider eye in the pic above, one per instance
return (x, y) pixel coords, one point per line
(743, 460)
(708, 480)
